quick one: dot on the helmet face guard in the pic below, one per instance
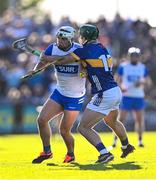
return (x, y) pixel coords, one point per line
(66, 32)
(89, 32)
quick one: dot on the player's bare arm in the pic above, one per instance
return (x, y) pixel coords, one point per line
(39, 65)
(55, 60)
(58, 59)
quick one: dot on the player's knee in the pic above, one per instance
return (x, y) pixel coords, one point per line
(41, 121)
(121, 119)
(64, 131)
(110, 123)
(81, 128)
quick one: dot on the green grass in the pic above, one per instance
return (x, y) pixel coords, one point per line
(17, 152)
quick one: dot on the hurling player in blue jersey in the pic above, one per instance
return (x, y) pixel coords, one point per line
(66, 98)
(132, 76)
(106, 93)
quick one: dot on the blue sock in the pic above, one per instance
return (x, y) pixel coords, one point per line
(101, 148)
(125, 142)
(47, 149)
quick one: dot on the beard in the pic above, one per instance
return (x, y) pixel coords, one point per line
(65, 48)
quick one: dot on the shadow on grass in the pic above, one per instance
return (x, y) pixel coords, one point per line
(99, 167)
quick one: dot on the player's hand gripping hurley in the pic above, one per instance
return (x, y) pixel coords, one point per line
(22, 45)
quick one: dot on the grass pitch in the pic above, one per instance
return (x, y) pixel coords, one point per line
(17, 152)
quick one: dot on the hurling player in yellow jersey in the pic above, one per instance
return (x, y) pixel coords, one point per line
(106, 93)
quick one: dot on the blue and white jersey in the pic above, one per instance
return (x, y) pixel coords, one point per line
(130, 74)
(69, 82)
(99, 64)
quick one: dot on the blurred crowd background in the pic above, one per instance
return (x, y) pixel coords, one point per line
(19, 99)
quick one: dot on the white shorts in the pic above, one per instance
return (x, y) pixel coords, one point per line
(108, 101)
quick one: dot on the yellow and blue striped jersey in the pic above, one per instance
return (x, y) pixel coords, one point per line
(98, 63)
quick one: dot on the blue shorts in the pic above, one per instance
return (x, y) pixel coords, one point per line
(68, 103)
(130, 103)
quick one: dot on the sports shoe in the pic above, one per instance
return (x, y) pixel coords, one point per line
(68, 159)
(127, 151)
(104, 158)
(43, 156)
(141, 145)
